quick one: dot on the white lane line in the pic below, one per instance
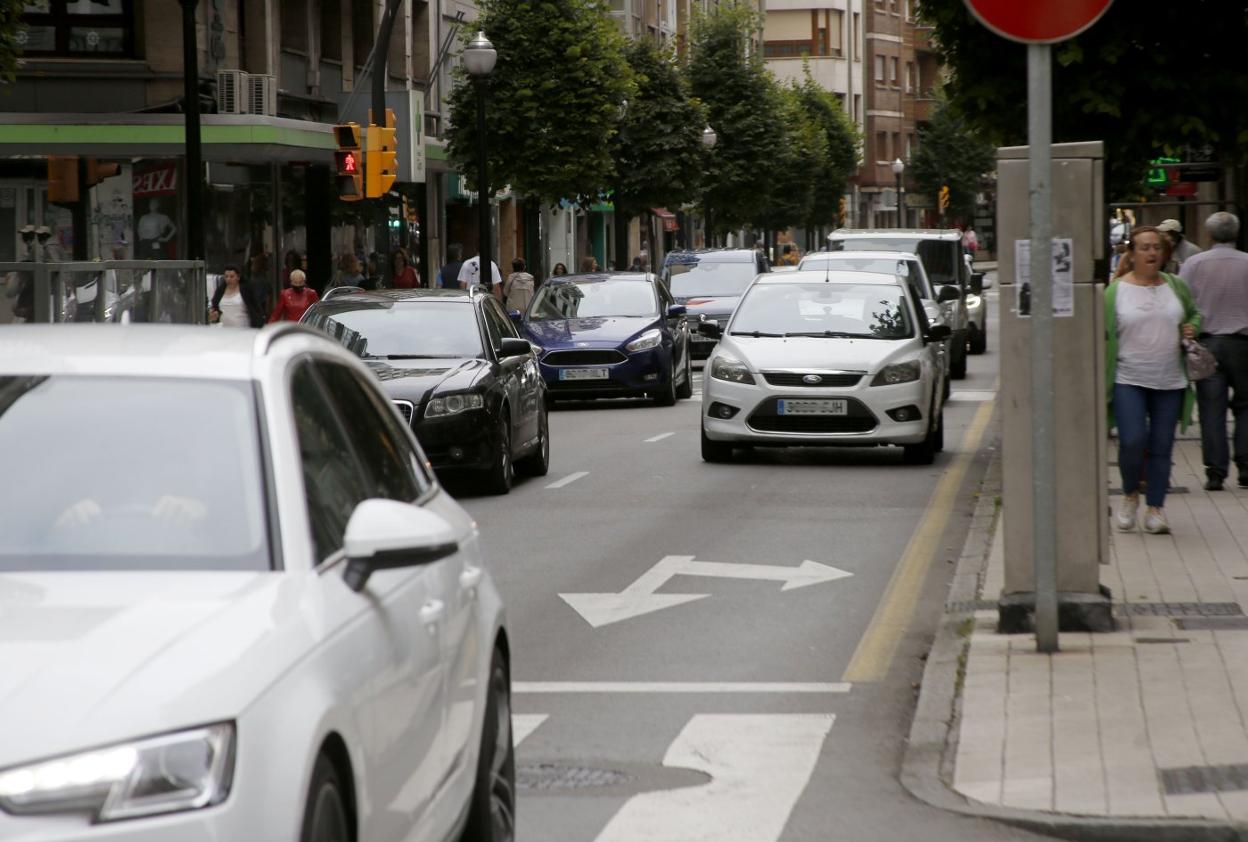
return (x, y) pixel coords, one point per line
(759, 766)
(659, 437)
(972, 396)
(524, 724)
(680, 686)
(568, 480)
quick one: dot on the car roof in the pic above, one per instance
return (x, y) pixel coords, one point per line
(594, 277)
(419, 294)
(711, 255)
(896, 233)
(153, 350)
(835, 276)
(872, 254)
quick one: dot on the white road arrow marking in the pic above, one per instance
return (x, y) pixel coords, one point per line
(759, 765)
(601, 609)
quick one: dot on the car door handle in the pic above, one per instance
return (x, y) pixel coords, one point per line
(470, 578)
(432, 611)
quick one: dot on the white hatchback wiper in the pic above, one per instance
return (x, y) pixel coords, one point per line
(834, 334)
(755, 333)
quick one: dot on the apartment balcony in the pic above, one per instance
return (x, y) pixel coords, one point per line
(786, 59)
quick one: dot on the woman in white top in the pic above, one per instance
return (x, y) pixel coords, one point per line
(232, 303)
(1147, 314)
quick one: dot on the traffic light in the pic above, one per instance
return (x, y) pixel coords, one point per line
(943, 200)
(381, 160)
(348, 163)
(97, 172)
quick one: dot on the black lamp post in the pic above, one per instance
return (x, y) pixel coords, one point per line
(709, 139)
(194, 153)
(479, 58)
(899, 167)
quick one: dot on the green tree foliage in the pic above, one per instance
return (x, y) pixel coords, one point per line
(799, 152)
(1149, 77)
(727, 74)
(553, 100)
(842, 155)
(658, 149)
(10, 27)
(951, 153)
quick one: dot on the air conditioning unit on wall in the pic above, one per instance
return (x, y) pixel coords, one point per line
(262, 94)
(232, 97)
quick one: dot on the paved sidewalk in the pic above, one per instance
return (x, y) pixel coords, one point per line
(1149, 722)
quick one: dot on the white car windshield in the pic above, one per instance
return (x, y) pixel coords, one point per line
(709, 279)
(590, 299)
(908, 270)
(403, 331)
(130, 473)
(869, 311)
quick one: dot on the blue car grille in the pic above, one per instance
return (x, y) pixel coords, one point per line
(604, 357)
(788, 378)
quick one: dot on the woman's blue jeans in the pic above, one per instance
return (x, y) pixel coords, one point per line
(1147, 420)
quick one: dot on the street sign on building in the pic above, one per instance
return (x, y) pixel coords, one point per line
(1035, 22)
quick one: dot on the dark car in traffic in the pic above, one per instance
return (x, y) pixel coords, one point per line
(710, 283)
(609, 335)
(457, 370)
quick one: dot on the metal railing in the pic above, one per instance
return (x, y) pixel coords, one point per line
(123, 291)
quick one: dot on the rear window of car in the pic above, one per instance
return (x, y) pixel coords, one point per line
(940, 257)
(131, 473)
(710, 278)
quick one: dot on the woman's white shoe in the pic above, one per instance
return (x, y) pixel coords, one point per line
(1127, 510)
(1155, 522)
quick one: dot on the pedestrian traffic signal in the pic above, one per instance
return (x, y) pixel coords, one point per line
(381, 160)
(943, 201)
(348, 163)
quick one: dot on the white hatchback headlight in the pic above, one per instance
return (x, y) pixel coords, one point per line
(649, 339)
(183, 771)
(452, 405)
(891, 375)
(731, 369)
(972, 300)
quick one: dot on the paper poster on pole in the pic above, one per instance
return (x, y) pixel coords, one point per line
(1063, 277)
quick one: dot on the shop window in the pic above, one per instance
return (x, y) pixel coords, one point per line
(98, 28)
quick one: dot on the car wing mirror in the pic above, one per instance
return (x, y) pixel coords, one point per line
(386, 534)
(711, 329)
(513, 347)
(675, 311)
(938, 333)
(948, 292)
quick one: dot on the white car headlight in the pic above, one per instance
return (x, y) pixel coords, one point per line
(452, 405)
(650, 339)
(891, 375)
(182, 771)
(731, 369)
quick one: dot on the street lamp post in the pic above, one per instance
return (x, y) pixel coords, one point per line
(194, 155)
(709, 139)
(479, 58)
(899, 167)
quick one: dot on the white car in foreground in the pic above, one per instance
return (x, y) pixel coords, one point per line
(826, 357)
(234, 602)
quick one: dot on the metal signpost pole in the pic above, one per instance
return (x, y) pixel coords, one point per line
(194, 154)
(1043, 450)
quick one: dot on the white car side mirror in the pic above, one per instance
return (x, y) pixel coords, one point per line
(384, 534)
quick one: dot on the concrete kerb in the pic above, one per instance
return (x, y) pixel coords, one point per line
(927, 767)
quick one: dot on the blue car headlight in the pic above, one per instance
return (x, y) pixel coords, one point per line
(453, 405)
(650, 339)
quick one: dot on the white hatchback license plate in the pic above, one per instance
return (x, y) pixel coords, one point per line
(825, 407)
(583, 374)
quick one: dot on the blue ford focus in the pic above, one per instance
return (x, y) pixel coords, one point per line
(610, 336)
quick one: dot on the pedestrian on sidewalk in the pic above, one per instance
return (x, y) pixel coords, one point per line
(294, 300)
(1181, 249)
(448, 275)
(234, 303)
(470, 275)
(1147, 314)
(404, 276)
(1219, 282)
(518, 291)
(559, 269)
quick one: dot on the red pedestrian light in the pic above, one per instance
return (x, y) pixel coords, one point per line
(347, 170)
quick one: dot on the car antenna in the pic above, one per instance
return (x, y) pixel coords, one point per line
(827, 271)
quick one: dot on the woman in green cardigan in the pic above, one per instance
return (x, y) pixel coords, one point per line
(1147, 314)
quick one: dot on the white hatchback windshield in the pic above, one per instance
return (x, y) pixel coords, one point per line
(129, 473)
(868, 311)
(590, 299)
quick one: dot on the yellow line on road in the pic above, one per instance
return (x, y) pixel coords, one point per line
(876, 648)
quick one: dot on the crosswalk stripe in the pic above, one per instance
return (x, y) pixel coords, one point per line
(524, 724)
(759, 765)
(972, 396)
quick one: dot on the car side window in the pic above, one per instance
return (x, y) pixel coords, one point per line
(390, 463)
(491, 327)
(498, 320)
(665, 297)
(334, 482)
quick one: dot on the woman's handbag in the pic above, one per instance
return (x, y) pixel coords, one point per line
(1199, 360)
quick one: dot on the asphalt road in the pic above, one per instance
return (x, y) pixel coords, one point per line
(727, 701)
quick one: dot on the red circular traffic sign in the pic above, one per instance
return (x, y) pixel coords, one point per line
(1038, 21)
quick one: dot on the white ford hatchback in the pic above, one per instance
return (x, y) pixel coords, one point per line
(828, 357)
(234, 602)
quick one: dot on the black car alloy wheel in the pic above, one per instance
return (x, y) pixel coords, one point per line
(325, 816)
(492, 812)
